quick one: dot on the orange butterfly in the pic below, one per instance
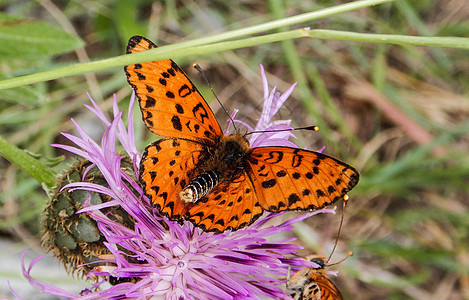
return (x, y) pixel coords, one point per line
(313, 284)
(215, 181)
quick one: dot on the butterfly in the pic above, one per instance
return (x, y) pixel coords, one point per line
(216, 181)
(313, 284)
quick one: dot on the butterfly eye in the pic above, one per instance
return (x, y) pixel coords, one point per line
(319, 262)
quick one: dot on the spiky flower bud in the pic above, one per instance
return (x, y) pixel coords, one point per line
(75, 238)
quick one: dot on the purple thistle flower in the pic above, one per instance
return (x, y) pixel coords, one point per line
(169, 260)
(273, 101)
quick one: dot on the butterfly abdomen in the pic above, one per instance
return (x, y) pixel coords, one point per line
(200, 187)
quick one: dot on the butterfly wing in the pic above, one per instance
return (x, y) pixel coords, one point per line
(165, 170)
(231, 207)
(312, 284)
(294, 179)
(327, 289)
(171, 105)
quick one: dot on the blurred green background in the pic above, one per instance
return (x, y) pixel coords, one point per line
(399, 114)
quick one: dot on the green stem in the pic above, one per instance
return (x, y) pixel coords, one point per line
(42, 173)
(150, 55)
(170, 50)
(433, 41)
(293, 20)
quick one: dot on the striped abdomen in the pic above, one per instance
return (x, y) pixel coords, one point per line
(200, 187)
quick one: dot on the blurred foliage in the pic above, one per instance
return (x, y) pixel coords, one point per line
(397, 113)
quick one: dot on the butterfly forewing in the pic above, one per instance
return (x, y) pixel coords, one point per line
(171, 105)
(295, 179)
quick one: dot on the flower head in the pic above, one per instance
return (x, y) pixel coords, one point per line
(164, 259)
(273, 101)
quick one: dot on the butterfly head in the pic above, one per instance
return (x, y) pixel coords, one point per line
(236, 145)
(319, 260)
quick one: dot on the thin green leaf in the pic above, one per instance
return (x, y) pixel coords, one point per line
(22, 94)
(26, 37)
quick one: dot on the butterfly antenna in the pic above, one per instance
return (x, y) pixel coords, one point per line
(349, 253)
(311, 128)
(199, 69)
(344, 204)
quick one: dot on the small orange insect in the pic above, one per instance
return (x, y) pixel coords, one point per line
(313, 284)
(213, 180)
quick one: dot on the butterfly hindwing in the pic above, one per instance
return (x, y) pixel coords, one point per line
(165, 170)
(171, 105)
(232, 207)
(328, 290)
(294, 179)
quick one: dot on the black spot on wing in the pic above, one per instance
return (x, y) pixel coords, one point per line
(297, 160)
(292, 199)
(281, 173)
(156, 189)
(150, 102)
(184, 91)
(179, 108)
(140, 76)
(170, 95)
(176, 123)
(211, 217)
(269, 183)
(163, 195)
(274, 157)
(149, 88)
(320, 193)
(172, 72)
